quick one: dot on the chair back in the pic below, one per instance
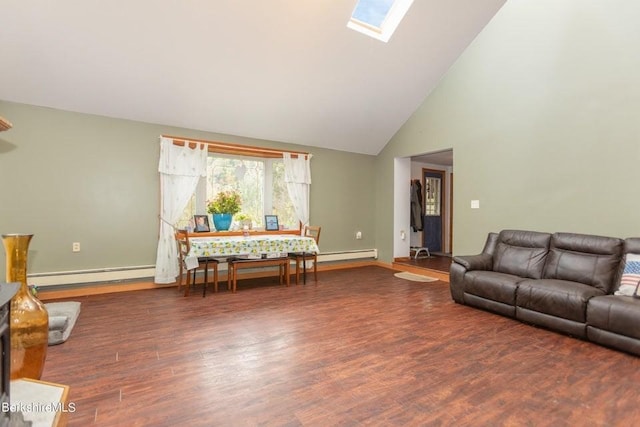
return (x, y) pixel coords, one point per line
(182, 239)
(312, 231)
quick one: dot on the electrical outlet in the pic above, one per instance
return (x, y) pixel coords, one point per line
(359, 235)
(75, 247)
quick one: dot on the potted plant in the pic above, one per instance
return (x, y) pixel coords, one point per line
(223, 207)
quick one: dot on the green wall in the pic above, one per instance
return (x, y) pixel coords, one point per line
(69, 177)
(542, 114)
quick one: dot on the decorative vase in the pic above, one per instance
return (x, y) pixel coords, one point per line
(29, 319)
(222, 222)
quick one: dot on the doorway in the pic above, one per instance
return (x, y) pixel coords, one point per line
(435, 170)
(406, 170)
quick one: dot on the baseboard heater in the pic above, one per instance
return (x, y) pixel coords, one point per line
(347, 255)
(123, 274)
(116, 274)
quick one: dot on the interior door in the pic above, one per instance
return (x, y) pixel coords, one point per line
(433, 187)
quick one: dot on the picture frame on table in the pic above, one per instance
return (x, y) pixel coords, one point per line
(201, 224)
(271, 223)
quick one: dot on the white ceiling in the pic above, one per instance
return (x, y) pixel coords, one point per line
(284, 70)
(442, 158)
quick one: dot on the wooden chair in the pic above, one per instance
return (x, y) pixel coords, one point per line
(182, 239)
(309, 231)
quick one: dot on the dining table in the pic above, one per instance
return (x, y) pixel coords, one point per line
(252, 246)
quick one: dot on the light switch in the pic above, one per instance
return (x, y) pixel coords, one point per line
(475, 204)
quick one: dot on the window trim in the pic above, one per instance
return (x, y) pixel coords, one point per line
(237, 149)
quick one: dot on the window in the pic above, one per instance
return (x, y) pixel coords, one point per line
(432, 196)
(258, 178)
(378, 18)
(372, 12)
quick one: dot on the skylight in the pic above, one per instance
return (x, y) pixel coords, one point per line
(378, 18)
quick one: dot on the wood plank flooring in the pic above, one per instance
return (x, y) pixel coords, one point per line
(435, 262)
(360, 347)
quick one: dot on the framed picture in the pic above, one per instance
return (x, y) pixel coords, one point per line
(202, 223)
(271, 223)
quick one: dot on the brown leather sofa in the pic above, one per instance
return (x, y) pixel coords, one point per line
(561, 281)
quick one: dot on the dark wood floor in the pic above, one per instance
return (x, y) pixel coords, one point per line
(360, 347)
(434, 262)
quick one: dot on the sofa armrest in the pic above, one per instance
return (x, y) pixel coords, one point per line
(462, 264)
(475, 262)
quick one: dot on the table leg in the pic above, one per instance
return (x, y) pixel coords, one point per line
(304, 270)
(234, 275)
(206, 278)
(287, 265)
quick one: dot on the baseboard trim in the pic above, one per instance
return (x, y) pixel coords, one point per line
(107, 288)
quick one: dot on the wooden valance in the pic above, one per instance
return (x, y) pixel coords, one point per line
(237, 149)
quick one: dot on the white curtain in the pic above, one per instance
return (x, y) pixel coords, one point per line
(297, 175)
(180, 170)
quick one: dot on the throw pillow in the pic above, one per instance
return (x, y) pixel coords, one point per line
(630, 276)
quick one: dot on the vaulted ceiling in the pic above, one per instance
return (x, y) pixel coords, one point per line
(284, 70)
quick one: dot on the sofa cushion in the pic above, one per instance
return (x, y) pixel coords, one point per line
(614, 313)
(591, 260)
(560, 298)
(632, 245)
(521, 253)
(491, 285)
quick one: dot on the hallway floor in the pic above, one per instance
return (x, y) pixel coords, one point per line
(437, 265)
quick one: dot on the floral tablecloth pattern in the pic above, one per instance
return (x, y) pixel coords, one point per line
(251, 245)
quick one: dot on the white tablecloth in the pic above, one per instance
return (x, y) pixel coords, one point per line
(251, 245)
